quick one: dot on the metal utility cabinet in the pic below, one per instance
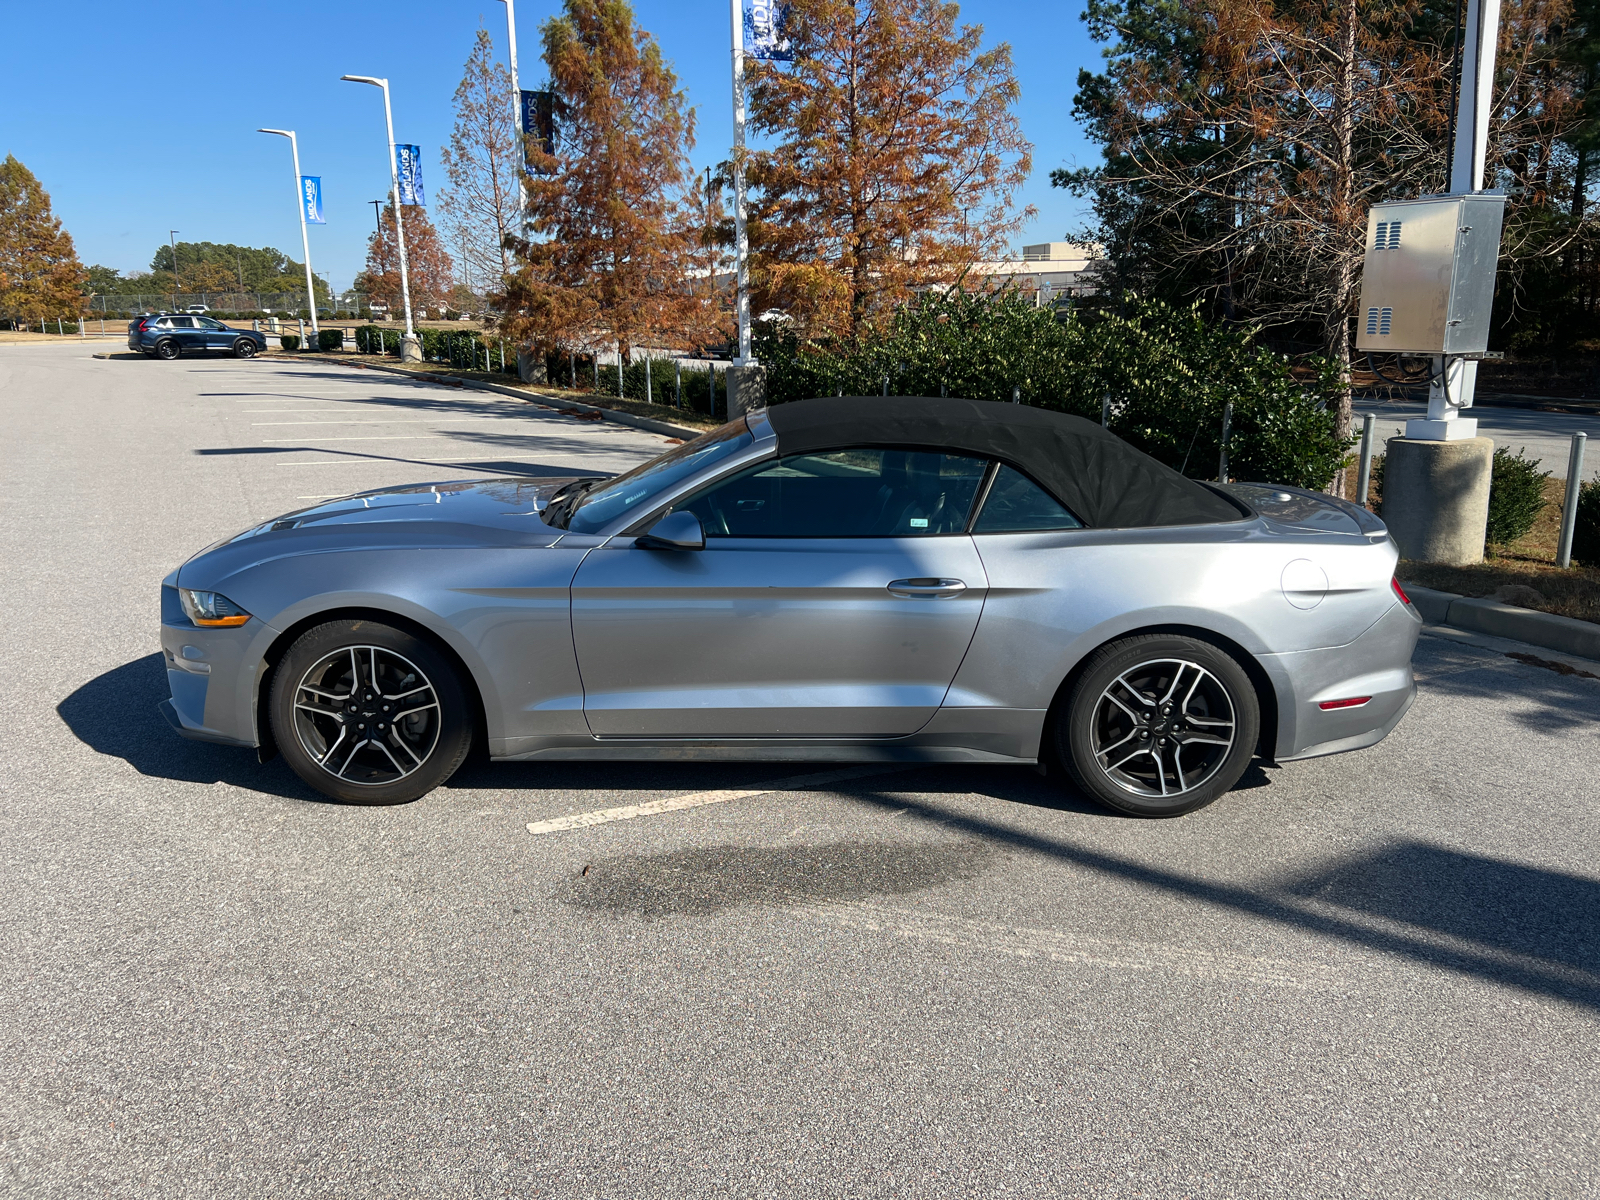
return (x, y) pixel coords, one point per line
(1427, 286)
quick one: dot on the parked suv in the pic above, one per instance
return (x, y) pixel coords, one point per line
(167, 335)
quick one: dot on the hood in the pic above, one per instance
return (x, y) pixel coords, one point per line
(464, 513)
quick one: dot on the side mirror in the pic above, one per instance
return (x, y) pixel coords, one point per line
(675, 531)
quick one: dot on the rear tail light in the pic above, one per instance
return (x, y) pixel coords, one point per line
(1352, 702)
(1399, 591)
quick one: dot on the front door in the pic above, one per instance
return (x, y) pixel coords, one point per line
(835, 597)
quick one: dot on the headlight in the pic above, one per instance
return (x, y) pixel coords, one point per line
(211, 609)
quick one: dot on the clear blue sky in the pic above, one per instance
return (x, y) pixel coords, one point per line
(141, 119)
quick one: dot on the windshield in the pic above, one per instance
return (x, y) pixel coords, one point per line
(609, 499)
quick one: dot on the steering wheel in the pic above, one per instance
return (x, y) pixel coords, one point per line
(719, 523)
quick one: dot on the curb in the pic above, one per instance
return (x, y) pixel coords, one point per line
(1570, 636)
(649, 424)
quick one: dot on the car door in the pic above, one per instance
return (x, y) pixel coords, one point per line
(216, 335)
(190, 337)
(835, 597)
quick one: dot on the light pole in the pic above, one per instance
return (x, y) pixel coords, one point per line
(305, 238)
(516, 91)
(410, 347)
(172, 236)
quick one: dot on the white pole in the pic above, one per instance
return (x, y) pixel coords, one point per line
(394, 195)
(300, 207)
(516, 92)
(741, 240)
(1569, 509)
(1456, 379)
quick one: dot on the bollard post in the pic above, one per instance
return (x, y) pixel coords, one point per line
(595, 363)
(1016, 393)
(1227, 430)
(1364, 473)
(1105, 410)
(944, 390)
(711, 387)
(885, 385)
(302, 325)
(1569, 510)
(619, 373)
(677, 384)
(649, 386)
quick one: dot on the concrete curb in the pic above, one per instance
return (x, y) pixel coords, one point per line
(1581, 638)
(616, 416)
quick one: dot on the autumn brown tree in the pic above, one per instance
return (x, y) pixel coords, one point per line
(40, 275)
(608, 259)
(429, 267)
(896, 163)
(478, 210)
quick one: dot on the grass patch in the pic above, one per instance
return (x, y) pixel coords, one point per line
(1523, 573)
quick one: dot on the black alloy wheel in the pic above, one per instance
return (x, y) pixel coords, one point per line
(244, 348)
(168, 349)
(1159, 725)
(369, 714)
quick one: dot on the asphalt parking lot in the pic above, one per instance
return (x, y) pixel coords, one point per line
(1370, 975)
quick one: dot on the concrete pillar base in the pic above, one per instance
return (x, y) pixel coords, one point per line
(410, 348)
(530, 366)
(1436, 498)
(747, 389)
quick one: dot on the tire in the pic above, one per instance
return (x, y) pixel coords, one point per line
(244, 348)
(313, 708)
(1211, 716)
(168, 349)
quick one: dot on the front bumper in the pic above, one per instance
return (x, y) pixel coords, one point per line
(211, 674)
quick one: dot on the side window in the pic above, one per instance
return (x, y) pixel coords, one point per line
(208, 323)
(1016, 504)
(844, 493)
(183, 322)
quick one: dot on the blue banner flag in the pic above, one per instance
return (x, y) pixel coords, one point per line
(766, 35)
(311, 198)
(538, 127)
(408, 165)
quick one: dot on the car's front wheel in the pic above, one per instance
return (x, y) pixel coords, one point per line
(1159, 725)
(369, 714)
(168, 349)
(244, 348)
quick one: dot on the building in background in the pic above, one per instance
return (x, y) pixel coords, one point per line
(1050, 270)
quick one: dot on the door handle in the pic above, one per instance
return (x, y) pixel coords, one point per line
(929, 589)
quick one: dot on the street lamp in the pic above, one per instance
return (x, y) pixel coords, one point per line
(410, 347)
(305, 239)
(172, 235)
(516, 92)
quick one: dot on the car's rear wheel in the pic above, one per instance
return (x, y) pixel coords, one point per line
(244, 348)
(168, 348)
(1159, 725)
(369, 714)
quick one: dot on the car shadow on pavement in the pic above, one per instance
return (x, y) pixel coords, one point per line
(115, 713)
(1522, 926)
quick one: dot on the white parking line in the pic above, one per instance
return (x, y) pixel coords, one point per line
(362, 421)
(369, 437)
(627, 812)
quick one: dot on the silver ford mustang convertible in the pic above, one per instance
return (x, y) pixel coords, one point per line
(852, 579)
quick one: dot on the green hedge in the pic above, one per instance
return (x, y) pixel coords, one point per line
(1516, 496)
(696, 396)
(1586, 532)
(330, 339)
(289, 341)
(1169, 374)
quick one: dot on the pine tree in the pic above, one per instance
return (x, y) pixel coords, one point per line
(40, 275)
(482, 162)
(429, 268)
(897, 162)
(609, 258)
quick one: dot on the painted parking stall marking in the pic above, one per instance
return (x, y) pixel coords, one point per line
(628, 812)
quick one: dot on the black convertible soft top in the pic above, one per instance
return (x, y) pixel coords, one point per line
(1104, 481)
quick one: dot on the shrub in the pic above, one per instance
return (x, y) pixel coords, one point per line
(1586, 531)
(1516, 496)
(1169, 373)
(290, 341)
(330, 339)
(372, 340)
